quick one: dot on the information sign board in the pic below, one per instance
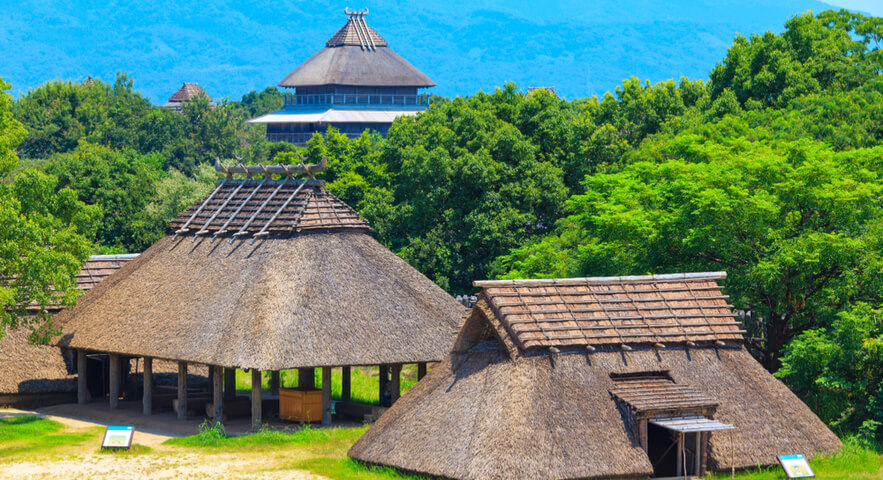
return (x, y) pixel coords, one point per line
(796, 466)
(118, 437)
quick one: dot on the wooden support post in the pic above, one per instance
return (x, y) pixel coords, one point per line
(306, 378)
(697, 465)
(703, 466)
(345, 382)
(114, 379)
(642, 433)
(384, 385)
(182, 390)
(217, 395)
(421, 370)
(147, 397)
(274, 382)
(255, 399)
(82, 380)
(395, 385)
(680, 458)
(326, 396)
(229, 383)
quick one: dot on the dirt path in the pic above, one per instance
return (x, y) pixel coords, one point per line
(163, 462)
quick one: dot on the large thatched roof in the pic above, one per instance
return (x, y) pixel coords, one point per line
(26, 368)
(497, 409)
(356, 55)
(293, 280)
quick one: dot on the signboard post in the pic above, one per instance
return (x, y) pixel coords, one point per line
(796, 466)
(118, 437)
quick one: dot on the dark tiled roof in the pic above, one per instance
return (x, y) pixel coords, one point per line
(658, 392)
(613, 310)
(353, 33)
(271, 207)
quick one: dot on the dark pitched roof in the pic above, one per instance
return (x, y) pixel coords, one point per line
(96, 269)
(274, 207)
(612, 310)
(356, 56)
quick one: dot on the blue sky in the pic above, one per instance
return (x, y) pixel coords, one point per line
(874, 7)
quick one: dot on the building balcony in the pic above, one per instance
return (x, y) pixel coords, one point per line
(417, 102)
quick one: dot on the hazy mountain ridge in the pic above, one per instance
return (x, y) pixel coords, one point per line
(231, 49)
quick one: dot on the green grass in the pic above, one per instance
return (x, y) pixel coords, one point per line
(364, 382)
(135, 449)
(347, 468)
(29, 436)
(855, 460)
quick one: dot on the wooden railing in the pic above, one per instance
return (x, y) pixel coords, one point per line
(356, 99)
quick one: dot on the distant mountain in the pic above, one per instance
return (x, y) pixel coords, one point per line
(232, 47)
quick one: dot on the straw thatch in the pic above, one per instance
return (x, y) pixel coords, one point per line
(26, 368)
(351, 58)
(494, 409)
(318, 291)
(188, 91)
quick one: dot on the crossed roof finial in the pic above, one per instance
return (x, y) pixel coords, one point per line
(355, 13)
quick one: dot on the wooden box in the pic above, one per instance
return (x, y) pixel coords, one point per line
(300, 405)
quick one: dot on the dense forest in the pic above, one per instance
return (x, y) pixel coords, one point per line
(772, 170)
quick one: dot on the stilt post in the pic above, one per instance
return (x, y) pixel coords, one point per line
(697, 462)
(679, 469)
(274, 382)
(82, 380)
(345, 382)
(217, 395)
(114, 379)
(182, 390)
(229, 383)
(306, 378)
(326, 396)
(384, 385)
(255, 399)
(395, 385)
(147, 397)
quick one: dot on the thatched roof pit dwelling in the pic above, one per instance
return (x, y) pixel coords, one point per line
(37, 373)
(268, 274)
(595, 378)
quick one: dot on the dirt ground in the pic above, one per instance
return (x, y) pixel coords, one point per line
(162, 462)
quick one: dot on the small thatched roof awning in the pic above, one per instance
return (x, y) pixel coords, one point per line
(645, 393)
(270, 275)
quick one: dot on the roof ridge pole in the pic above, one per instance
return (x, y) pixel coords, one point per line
(367, 33)
(355, 23)
(273, 218)
(203, 231)
(242, 231)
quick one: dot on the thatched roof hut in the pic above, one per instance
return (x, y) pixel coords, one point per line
(591, 378)
(187, 92)
(268, 275)
(36, 369)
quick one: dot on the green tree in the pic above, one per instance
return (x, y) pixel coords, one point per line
(120, 182)
(839, 370)
(793, 224)
(42, 242)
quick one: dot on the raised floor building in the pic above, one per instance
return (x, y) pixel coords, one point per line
(355, 83)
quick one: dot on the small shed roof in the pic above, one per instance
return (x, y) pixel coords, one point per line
(646, 393)
(613, 310)
(356, 55)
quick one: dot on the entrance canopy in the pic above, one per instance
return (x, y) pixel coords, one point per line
(691, 424)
